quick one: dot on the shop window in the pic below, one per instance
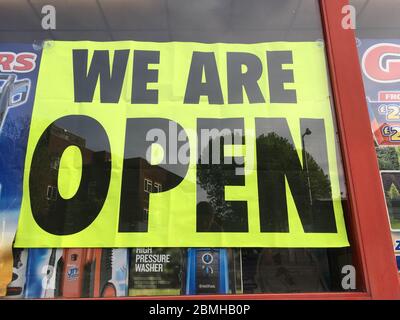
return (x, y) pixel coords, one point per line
(51, 193)
(92, 188)
(157, 187)
(148, 186)
(55, 163)
(298, 167)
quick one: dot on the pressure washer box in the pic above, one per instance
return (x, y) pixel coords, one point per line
(156, 271)
(178, 271)
(213, 271)
(16, 287)
(77, 273)
(94, 273)
(120, 271)
(43, 271)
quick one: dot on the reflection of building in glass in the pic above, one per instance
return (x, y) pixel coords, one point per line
(57, 140)
(51, 193)
(157, 187)
(142, 179)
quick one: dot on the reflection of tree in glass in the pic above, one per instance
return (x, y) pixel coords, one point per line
(213, 178)
(388, 158)
(393, 193)
(283, 151)
(392, 201)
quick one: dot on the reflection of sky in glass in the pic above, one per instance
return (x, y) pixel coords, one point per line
(93, 143)
(137, 144)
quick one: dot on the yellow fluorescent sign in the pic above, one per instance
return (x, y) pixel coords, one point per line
(143, 144)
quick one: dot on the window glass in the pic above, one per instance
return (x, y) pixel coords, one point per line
(378, 41)
(157, 187)
(148, 186)
(184, 270)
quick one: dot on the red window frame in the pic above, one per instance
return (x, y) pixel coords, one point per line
(368, 223)
(371, 236)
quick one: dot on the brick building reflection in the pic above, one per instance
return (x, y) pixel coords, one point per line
(143, 178)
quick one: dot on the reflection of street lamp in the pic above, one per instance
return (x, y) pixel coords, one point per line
(307, 133)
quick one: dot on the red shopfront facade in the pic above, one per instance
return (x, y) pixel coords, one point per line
(367, 217)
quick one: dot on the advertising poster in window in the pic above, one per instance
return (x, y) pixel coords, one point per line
(380, 62)
(156, 271)
(76, 273)
(19, 65)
